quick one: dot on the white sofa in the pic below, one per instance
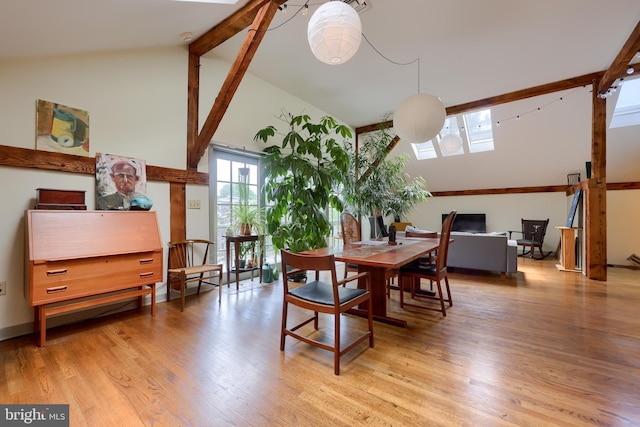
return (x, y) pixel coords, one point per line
(483, 251)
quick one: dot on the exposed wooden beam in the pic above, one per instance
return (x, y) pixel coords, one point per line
(623, 185)
(511, 190)
(391, 146)
(229, 27)
(193, 101)
(177, 211)
(45, 160)
(538, 189)
(518, 95)
(620, 64)
(595, 221)
(231, 83)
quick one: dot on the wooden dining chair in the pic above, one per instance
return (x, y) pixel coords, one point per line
(428, 259)
(187, 263)
(351, 232)
(328, 297)
(435, 271)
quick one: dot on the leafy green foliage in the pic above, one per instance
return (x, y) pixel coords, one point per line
(382, 187)
(304, 174)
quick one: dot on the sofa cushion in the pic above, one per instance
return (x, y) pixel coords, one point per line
(413, 229)
(482, 251)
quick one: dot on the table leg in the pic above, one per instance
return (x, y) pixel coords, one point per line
(236, 246)
(228, 247)
(378, 297)
(418, 290)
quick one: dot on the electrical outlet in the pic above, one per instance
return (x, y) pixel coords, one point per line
(3, 287)
(193, 204)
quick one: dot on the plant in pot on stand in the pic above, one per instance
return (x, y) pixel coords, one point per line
(378, 185)
(248, 219)
(305, 171)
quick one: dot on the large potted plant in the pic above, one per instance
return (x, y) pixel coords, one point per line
(305, 171)
(378, 185)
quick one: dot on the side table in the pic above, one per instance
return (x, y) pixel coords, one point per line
(569, 249)
(237, 240)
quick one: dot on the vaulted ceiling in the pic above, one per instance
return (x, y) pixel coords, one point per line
(467, 50)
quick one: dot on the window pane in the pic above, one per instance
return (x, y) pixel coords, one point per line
(627, 111)
(424, 150)
(479, 130)
(228, 194)
(224, 170)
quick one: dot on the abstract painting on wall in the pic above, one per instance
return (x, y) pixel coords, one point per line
(62, 129)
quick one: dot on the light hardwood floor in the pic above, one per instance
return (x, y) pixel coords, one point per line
(538, 348)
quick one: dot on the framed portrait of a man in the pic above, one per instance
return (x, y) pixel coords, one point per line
(121, 182)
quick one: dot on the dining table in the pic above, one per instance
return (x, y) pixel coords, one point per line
(377, 257)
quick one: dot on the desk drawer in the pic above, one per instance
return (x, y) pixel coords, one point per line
(62, 280)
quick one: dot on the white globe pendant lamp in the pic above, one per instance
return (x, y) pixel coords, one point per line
(334, 32)
(419, 118)
(450, 143)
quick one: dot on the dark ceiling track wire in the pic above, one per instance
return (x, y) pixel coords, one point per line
(306, 5)
(394, 62)
(283, 8)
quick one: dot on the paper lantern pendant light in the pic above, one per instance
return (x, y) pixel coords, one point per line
(419, 118)
(334, 32)
(450, 143)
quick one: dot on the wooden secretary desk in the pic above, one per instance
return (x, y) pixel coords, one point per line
(79, 259)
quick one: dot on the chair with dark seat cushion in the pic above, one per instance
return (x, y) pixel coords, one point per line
(435, 271)
(533, 232)
(328, 297)
(429, 258)
(187, 263)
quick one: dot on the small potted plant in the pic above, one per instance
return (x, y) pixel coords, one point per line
(248, 219)
(245, 252)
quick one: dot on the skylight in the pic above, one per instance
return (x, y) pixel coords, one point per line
(627, 111)
(479, 131)
(461, 134)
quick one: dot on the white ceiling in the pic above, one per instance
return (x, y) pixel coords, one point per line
(468, 50)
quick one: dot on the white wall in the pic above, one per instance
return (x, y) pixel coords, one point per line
(137, 104)
(500, 210)
(623, 233)
(137, 107)
(539, 149)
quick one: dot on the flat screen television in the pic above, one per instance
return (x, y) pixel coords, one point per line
(470, 223)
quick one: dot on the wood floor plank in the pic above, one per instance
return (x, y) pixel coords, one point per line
(538, 347)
